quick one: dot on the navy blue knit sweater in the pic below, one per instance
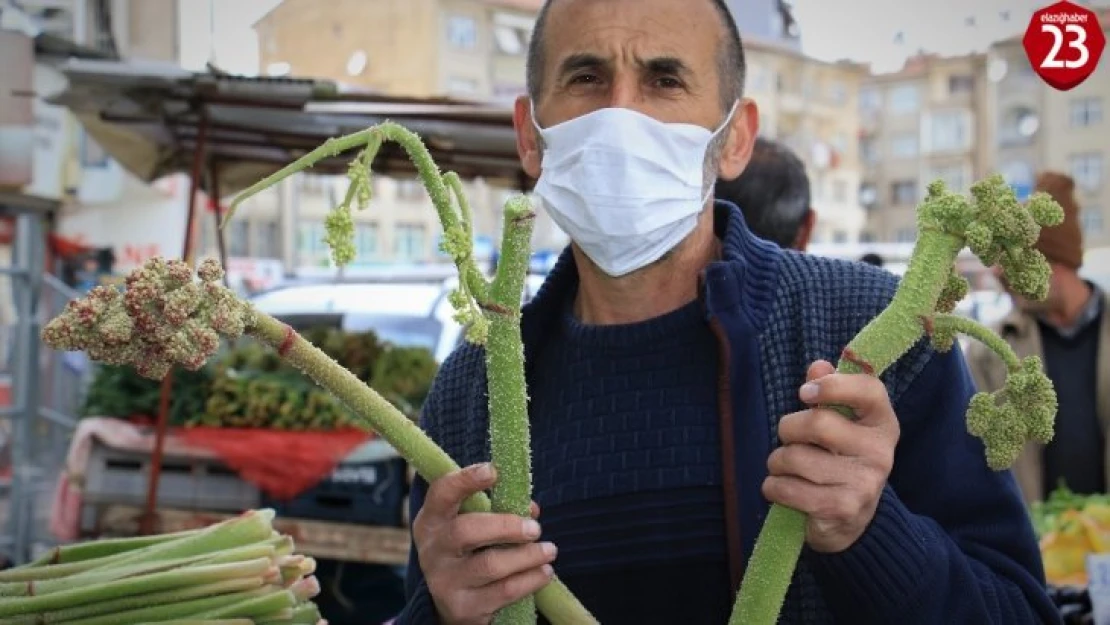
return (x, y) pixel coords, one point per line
(950, 542)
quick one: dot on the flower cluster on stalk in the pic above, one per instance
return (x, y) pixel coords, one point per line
(163, 317)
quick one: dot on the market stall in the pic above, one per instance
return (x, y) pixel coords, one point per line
(147, 460)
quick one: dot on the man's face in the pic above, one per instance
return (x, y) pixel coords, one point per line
(658, 57)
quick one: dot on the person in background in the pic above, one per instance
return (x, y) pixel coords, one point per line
(871, 258)
(773, 194)
(1070, 331)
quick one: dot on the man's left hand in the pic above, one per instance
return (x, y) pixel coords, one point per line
(829, 467)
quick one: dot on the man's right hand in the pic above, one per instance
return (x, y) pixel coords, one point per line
(477, 563)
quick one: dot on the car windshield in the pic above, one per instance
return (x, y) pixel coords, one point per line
(398, 329)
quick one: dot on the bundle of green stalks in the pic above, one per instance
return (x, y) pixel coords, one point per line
(237, 572)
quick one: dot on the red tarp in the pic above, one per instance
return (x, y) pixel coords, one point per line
(283, 464)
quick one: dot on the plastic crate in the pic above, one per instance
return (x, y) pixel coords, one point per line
(370, 492)
(116, 476)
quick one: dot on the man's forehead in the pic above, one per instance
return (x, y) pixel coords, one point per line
(606, 29)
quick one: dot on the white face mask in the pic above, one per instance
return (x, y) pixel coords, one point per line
(625, 187)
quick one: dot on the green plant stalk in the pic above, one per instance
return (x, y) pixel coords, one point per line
(509, 431)
(167, 611)
(254, 607)
(998, 230)
(47, 587)
(510, 449)
(554, 601)
(92, 550)
(202, 621)
(303, 614)
(878, 345)
(248, 528)
(115, 606)
(135, 586)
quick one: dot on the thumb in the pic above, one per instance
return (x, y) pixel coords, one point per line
(819, 369)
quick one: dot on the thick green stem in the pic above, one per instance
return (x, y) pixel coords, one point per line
(877, 346)
(135, 586)
(554, 601)
(88, 551)
(152, 611)
(116, 606)
(510, 440)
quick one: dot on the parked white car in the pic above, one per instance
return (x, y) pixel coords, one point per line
(411, 313)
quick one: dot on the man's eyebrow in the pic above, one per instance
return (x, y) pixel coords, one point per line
(655, 65)
(665, 65)
(580, 60)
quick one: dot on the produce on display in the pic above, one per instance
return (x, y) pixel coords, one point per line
(249, 386)
(165, 318)
(237, 572)
(1071, 527)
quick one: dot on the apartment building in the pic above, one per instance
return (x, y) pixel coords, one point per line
(463, 49)
(136, 29)
(927, 121)
(812, 106)
(1038, 128)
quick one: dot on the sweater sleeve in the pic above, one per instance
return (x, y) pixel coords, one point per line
(951, 541)
(419, 609)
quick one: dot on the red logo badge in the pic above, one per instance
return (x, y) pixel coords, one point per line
(1064, 42)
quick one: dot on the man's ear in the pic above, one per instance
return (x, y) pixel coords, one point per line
(527, 144)
(741, 140)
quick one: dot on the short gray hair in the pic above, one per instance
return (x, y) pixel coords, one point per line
(730, 59)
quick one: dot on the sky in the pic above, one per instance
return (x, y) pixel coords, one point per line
(861, 30)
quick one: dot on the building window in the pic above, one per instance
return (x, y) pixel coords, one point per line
(1091, 220)
(903, 192)
(410, 189)
(462, 86)
(267, 242)
(408, 242)
(512, 33)
(869, 150)
(903, 145)
(238, 238)
(840, 191)
(310, 241)
(92, 155)
(1017, 173)
(1086, 112)
(1086, 168)
(904, 99)
(462, 32)
(870, 99)
(838, 93)
(1017, 126)
(949, 131)
(961, 84)
(905, 235)
(366, 241)
(954, 177)
(868, 195)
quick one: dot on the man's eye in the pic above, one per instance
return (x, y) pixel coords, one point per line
(668, 82)
(582, 79)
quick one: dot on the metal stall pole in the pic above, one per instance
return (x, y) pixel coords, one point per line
(26, 273)
(221, 244)
(148, 519)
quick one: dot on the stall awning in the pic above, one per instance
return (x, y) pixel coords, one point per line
(147, 117)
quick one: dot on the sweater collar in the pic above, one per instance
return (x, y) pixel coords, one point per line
(747, 273)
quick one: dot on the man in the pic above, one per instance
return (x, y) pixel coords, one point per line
(662, 351)
(1070, 331)
(773, 194)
